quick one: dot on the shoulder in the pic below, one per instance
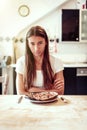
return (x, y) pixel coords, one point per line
(55, 60)
(20, 65)
(56, 64)
(21, 59)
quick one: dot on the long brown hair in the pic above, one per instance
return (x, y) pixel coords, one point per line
(30, 67)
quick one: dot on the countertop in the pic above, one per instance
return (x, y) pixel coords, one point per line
(74, 64)
(69, 60)
(66, 64)
(71, 115)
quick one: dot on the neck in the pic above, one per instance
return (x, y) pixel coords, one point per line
(38, 58)
(38, 62)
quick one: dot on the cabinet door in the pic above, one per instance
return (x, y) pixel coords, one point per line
(82, 85)
(81, 81)
(70, 81)
(70, 25)
(83, 25)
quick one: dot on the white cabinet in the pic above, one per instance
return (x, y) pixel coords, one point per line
(83, 25)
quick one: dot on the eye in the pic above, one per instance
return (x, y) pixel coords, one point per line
(40, 42)
(32, 43)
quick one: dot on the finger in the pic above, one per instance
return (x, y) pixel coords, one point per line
(58, 81)
(59, 84)
(58, 87)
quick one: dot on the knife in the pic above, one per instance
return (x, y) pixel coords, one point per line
(20, 99)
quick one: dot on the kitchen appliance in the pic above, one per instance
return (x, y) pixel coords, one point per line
(75, 81)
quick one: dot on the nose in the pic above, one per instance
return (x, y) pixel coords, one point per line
(36, 48)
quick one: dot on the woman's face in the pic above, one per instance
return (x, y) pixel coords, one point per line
(37, 45)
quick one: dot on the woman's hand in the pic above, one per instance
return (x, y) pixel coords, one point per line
(59, 82)
(59, 85)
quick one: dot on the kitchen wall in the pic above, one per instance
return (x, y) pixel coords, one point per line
(6, 48)
(52, 23)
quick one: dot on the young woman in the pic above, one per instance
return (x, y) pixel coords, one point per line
(37, 71)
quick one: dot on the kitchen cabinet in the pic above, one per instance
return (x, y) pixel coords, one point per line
(74, 23)
(70, 24)
(75, 81)
(83, 25)
(70, 81)
(81, 77)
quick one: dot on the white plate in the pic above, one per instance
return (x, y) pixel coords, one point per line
(41, 102)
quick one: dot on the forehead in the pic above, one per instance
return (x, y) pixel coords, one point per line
(36, 39)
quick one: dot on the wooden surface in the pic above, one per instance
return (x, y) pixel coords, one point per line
(52, 116)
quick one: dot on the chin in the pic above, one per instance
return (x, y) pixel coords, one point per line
(39, 54)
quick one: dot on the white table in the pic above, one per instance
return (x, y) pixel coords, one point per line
(53, 116)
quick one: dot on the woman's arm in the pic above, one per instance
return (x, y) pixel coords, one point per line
(20, 85)
(59, 83)
(36, 89)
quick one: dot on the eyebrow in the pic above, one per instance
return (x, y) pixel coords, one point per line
(40, 41)
(37, 42)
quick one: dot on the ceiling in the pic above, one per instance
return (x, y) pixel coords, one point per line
(11, 22)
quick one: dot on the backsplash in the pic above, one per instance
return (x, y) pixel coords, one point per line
(72, 48)
(68, 52)
(71, 52)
